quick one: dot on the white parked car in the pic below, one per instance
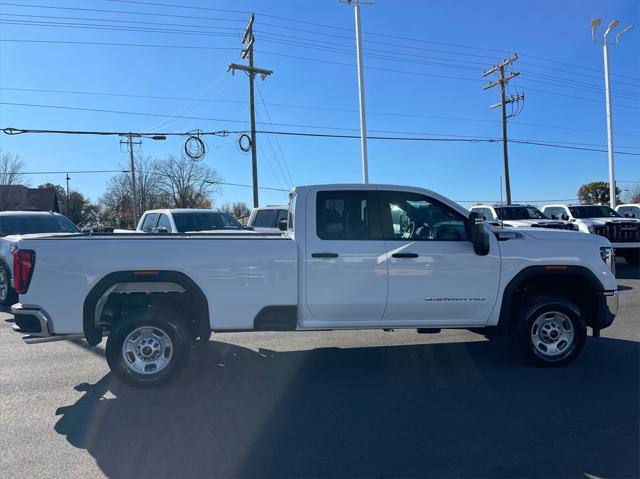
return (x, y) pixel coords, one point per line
(518, 216)
(354, 257)
(16, 223)
(631, 210)
(268, 219)
(623, 233)
(186, 220)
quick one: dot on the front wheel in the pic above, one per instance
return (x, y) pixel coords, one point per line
(551, 330)
(148, 348)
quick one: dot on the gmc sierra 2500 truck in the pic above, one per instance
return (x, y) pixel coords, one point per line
(354, 257)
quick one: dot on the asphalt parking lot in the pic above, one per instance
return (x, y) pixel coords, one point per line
(329, 404)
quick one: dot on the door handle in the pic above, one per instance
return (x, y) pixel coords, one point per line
(324, 255)
(405, 255)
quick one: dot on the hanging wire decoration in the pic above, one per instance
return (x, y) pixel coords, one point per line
(244, 143)
(195, 148)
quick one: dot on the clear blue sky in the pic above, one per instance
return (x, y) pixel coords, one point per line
(444, 45)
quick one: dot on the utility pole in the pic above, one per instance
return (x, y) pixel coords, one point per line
(595, 23)
(67, 178)
(248, 39)
(134, 192)
(363, 116)
(504, 101)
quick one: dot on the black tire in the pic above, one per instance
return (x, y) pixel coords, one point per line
(160, 323)
(8, 296)
(536, 319)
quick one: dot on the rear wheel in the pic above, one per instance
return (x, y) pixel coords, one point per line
(148, 348)
(551, 330)
(8, 295)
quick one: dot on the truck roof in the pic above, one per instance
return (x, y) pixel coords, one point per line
(28, 213)
(184, 210)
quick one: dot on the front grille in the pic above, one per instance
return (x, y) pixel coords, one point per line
(620, 232)
(555, 226)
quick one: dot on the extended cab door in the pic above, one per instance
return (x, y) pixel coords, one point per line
(434, 273)
(345, 269)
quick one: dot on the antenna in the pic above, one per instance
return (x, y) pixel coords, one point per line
(501, 207)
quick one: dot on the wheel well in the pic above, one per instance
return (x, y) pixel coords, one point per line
(119, 293)
(577, 284)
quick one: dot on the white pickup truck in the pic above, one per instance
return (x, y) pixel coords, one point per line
(354, 257)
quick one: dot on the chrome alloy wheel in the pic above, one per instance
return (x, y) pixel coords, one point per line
(147, 350)
(552, 335)
(4, 286)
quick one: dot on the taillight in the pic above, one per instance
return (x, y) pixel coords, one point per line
(24, 260)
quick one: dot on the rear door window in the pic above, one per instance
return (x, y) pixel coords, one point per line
(346, 215)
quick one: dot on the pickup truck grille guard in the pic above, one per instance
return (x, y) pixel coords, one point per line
(620, 232)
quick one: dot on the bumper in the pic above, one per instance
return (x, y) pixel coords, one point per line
(35, 322)
(607, 308)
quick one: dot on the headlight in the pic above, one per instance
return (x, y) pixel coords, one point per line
(607, 255)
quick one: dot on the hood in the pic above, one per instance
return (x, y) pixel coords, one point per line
(533, 222)
(561, 235)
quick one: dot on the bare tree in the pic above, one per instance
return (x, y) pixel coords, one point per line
(239, 209)
(187, 183)
(11, 169)
(632, 195)
(116, 202)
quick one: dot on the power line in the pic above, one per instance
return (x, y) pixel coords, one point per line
(318, 60)
(296, 20)
(460, 139)
(304, 107)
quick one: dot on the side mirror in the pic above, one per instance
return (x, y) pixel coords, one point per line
(565, 217)
(479, 235)
(160, 230)
(249, 228)
(555, 217)
(282, 224)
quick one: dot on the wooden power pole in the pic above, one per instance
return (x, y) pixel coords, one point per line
(248, 39)
(504, 101)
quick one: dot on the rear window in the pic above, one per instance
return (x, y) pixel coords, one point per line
(30, 224)
(265, 219)
(205, 222)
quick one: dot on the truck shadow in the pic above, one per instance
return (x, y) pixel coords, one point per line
(439, 410)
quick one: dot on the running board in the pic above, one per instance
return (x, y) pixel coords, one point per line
(48, 339)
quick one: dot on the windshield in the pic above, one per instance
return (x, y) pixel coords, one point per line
(593, 212)
(28, 224)
(520, 213)
(205, 221)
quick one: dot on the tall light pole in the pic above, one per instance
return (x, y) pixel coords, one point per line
(595, 23)
(363, 116)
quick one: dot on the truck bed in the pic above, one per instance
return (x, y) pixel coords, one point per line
(239, 274)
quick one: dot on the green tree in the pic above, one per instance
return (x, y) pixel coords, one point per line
(596, 192)
(79, 210)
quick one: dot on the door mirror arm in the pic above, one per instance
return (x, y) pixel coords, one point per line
(479, 234)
